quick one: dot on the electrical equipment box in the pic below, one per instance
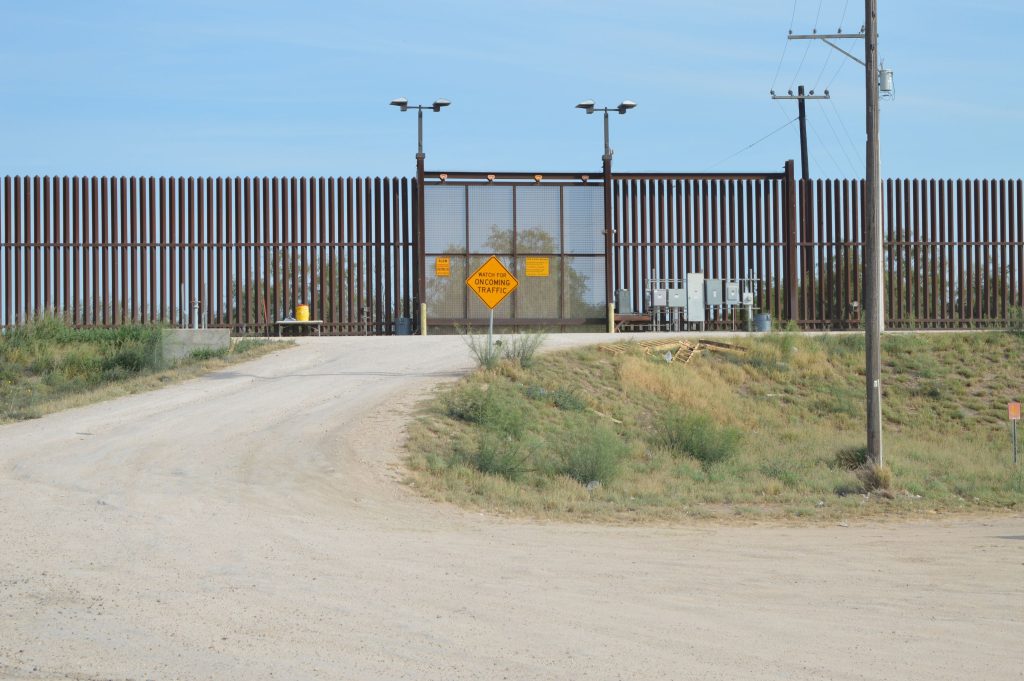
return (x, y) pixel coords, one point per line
(748, 298)
(713, 292)
(732, 293)
(623, 301)
(676, 297)
(695, 297)
(659, 297)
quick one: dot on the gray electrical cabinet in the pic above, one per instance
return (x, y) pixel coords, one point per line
(695, 297)
(676, 297)
(713, 292)
(659, 297)
(623, 301)
(732, 293)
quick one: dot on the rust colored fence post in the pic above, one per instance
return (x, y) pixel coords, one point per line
(419, 258)
(790, 238)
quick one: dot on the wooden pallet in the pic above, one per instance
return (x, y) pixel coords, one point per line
(648, 346)
(680, 349)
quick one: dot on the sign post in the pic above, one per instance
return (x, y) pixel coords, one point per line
(1014, 411)
(492, 282)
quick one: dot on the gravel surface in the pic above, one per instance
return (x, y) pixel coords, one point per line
(250, 525)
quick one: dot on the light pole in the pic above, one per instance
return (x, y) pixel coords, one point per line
(589, 106)
(403, 104)
(421, 276)
(606, 163)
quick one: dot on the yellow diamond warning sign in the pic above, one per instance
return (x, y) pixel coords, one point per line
(492, 282)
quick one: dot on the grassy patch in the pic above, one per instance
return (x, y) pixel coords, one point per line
(47, 365)
(775, 431)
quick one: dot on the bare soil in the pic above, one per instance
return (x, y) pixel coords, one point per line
(251, 524)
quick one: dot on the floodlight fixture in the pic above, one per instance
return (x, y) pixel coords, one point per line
(403, 104)
(590, 107)
(587, 105)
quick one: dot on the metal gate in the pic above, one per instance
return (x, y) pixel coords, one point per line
(546, 229)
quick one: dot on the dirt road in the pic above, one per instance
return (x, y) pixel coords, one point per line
(248, 525)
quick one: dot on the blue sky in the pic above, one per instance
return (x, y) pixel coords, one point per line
(193, 87)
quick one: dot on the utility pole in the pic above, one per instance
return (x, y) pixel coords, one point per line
(801, 98)
(873, 274)
(801, 107)
(873, 258)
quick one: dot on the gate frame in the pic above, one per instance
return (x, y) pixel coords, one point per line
(476, 178)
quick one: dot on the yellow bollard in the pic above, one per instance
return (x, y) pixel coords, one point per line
(423, 319)
(611, 318)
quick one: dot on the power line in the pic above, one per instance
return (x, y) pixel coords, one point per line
(778, 69)
(800, 66)
(828, 153)
(849, 137)
(755, 143)
(846, 6)
(842, 147)
(822, 72)
(842, 63)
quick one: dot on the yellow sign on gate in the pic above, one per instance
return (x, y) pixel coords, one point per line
(537, 267)
(492, 282)
(443, 266)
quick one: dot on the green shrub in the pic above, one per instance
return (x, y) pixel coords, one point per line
(535, 392)
(243, 345)
(208, 353)
(696, 435)
(495, 407)
(501, 454)
(592, 452)
(568, 399)
(781, 471)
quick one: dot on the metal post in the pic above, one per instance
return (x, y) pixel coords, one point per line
(791, 240)
(419, 129)
(420, 239)
(875, 319)
(607, 147)
(802, 109)
(490, 334)
(608, 231)
(1014, 442)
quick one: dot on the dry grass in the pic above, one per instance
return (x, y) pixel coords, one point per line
(48, 366)
(798, 402)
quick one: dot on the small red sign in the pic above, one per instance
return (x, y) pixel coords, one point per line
(1014, 409)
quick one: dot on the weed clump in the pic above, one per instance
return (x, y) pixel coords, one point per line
(875, 478)
(696, 435)
(592, 453)
(521, 347)
(500, 454)
(495, 407)
(851, 458)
